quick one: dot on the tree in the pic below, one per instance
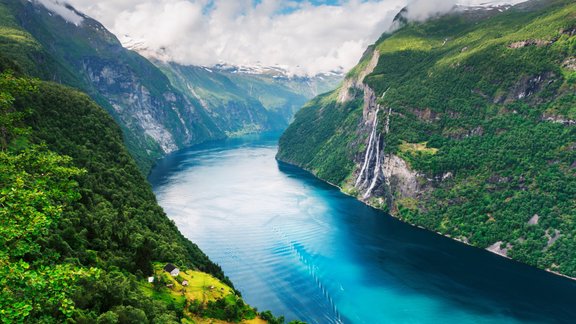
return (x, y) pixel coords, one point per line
(35, 186)
(10, 87)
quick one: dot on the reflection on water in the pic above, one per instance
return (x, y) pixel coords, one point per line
(300, 248)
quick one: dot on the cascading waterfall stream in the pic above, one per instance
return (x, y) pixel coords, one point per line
(368, 155)
(371, 171)
(387, 125)
(377, 169)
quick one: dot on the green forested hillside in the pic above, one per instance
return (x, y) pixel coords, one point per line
(159, 108)
(80, 225)
(480, 109)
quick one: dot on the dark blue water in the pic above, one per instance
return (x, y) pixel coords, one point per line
(296, 246)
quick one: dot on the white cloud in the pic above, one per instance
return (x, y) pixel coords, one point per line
(60, 8)
(420, 10)
(305, 38)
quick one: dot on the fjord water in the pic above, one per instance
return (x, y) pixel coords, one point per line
(297, 246)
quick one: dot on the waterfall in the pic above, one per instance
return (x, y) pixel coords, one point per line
(377, 169)
(368, 155)
(387, 125)
(371, 175)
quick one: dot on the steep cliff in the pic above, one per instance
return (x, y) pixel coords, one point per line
(80, 228)
(161, 106)
(464, 125)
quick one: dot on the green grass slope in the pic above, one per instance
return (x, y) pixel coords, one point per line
(483, 111)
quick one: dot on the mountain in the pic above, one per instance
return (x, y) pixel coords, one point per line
(81, 228)
(241, 99)
(278, 90)
(155, 117)
(161, 107)
(246, 99)
(232, 107)
(464, 125)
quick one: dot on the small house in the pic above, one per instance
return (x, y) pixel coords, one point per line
(150, 279)
(185, 283)
(171, 269)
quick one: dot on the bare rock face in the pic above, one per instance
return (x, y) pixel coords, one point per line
(569, 31)
(527, 87)
(530, 42)
(400, 178)
(155, 117)
(499, 249)
(552, 236)
(558, 119)
(135, 105)
(534, 220)
(426, 115)
(570, 64)
(350, 85)
(379, 175)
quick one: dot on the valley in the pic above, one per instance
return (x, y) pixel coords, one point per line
(434, 182)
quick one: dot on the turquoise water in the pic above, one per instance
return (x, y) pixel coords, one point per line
(296, 246)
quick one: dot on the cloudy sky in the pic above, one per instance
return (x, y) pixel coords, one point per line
(306, 37)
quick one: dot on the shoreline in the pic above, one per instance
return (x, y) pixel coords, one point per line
(419, 226)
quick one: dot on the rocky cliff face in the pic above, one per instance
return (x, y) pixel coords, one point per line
(160, 106)
(369, 178)
(462, 125)
(378, 178)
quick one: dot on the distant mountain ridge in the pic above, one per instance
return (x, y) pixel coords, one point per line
(243, 100)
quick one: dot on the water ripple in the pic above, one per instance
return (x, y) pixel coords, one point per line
(298, 247)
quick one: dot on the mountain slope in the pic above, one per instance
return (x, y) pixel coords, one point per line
(161, 107)
(463, 125)
(155, 117)
(243, 100)
(81, 226)
(233, 109)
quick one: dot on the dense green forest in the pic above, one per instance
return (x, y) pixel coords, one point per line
(80, 224)
(483, 111)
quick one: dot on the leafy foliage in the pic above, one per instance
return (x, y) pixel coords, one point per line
(230, 308)
(35, 187)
